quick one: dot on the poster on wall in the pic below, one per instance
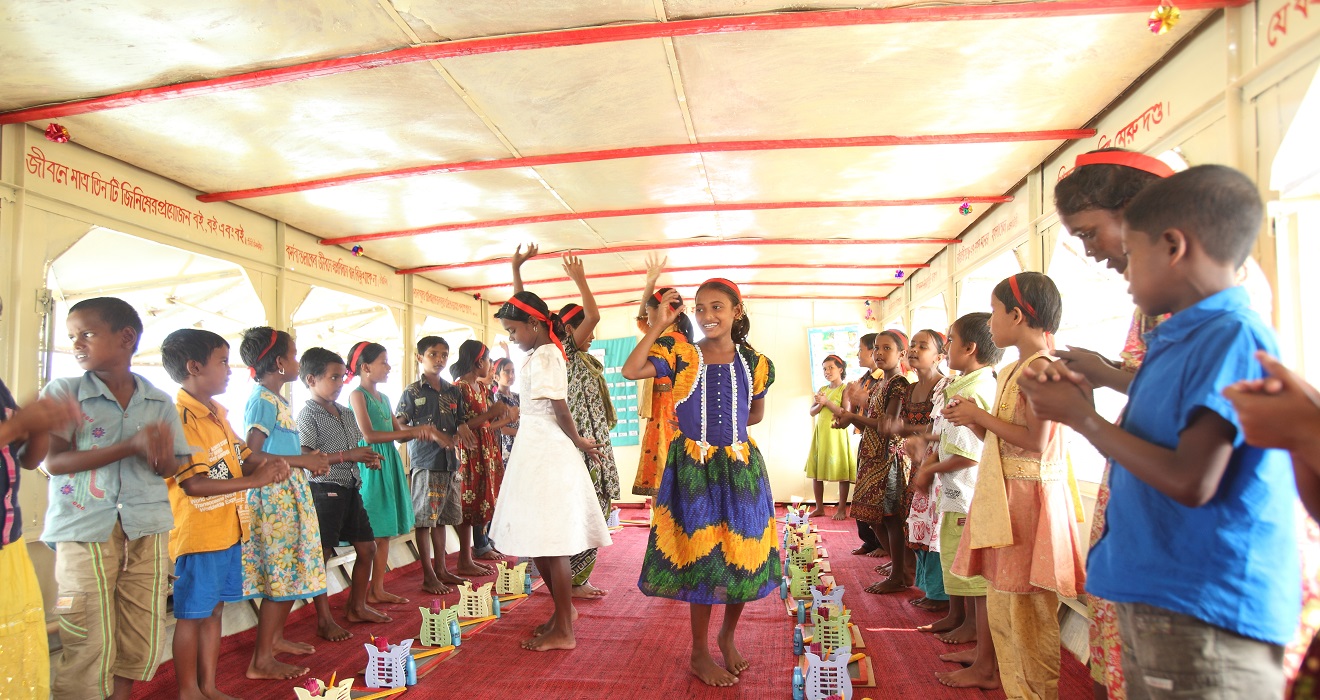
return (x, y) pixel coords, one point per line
(623, 392)
(834, 340)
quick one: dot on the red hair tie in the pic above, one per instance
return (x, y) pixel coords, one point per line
(1130, 159)
(274, 335)
(518, 303)
(571, 313)
(837, 359)
(660, 294)
(352, 360)
(1017, 294)
(726, 283)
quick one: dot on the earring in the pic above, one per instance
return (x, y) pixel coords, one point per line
(281, 371)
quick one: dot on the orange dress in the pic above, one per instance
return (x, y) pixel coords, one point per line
(660, 430)
(1021, 530)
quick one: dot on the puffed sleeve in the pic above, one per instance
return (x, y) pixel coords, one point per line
(663, 357)
(546, 375)
(763, 375)
(260, 413)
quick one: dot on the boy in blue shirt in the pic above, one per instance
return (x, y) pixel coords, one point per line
(109, 511)
(1199, 551)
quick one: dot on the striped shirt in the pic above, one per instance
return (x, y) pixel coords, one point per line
(318, 429)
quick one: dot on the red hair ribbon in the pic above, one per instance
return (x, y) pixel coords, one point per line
(1017, 294)
(1140, 161)
(481, 352)
(352, 360)
(518, 303)
(274, 335)
(903, 336)
(659, 294)
(726, 283)
(837, 359)
(571, 313)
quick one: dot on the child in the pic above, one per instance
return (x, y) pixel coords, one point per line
(588, 402)
(282, 560)
(1227, 597)
(435, 483)
(109, 508)
(385, 493)
(881, 461)
(1021, 531)
(480, 466)
(327, 427)
(831, 455)
(922, 402)
(858, 397)
(548, 507)
(210, 506)
(505, 376)
(658, 397)
(973, 354)
(713, 530)
(24, 440)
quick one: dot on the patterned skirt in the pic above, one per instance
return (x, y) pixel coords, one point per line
(713, 536)
(881, 481)
(282, 560)
(656, 437)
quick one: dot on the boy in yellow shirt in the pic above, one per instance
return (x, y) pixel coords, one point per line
(210, 510)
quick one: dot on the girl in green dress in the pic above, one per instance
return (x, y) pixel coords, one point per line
(831, 457)
(385, 492)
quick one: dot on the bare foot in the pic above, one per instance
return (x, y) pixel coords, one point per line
(366, 614)
(555, 639)
(818, 512)
(546, 627)
(711, 673)
(491, 555)
(931, 605)
(733, 659)
(270, 669)
(863, 550)
(446, 576)
(384, 597)
(214, 694)
(331, 631)
(944, 624)
(841, 513)
(589, 592)
(472, 568)
(966, 657)
(877, 552)
(964, 634)
(284, 646)
(885, 568)
(970, 677)
(435, 587)
(888, 585)
(917, 602)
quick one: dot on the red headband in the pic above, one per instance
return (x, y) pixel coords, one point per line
(274, 335)
(726, 283)
(481, 352)
(1017, 294)
(660, 294)
(1140, 161)
(349, 373)
(900, 334)
(568, 315)
(517, 303)
(837, 359)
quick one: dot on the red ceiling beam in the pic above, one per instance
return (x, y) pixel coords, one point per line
(599, 35)
(649, 211)
(646, 151)
(694, 243)
(754, 297)
(634, 290)
(704, 268)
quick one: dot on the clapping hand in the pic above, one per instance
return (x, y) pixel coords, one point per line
(1057, 393)
(1280, 411)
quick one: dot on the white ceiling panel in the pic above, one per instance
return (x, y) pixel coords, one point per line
(437, 20)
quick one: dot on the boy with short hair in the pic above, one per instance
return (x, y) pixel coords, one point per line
(329, 427)
(109, 508)
(436, 484)
(1199, 551)
(210, 507)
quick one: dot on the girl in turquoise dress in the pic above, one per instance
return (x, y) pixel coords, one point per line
(831, 456)
(385, 492)
(282, 560)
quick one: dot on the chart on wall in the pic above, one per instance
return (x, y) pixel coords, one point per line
(834, 340)
(623, 392)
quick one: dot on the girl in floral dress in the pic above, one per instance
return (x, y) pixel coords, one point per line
(480, 464)
(923, 399)
(659, 428)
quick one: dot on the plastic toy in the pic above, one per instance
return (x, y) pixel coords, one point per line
(477, 603)
(830, 630)
(799, 581)
(314, 689)
(390, 665)
(823, 678)
(440, 626)
(801, 536)
(512, 581)
(802, 555)
(613, 520)
(797, 515)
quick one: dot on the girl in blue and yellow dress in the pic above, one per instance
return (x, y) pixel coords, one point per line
(712, 535)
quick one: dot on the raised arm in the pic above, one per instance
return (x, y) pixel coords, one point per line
(655, 265)
(519, 257)
(590, 313)
(637, 366)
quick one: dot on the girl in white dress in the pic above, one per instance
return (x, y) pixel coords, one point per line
(547, 508)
